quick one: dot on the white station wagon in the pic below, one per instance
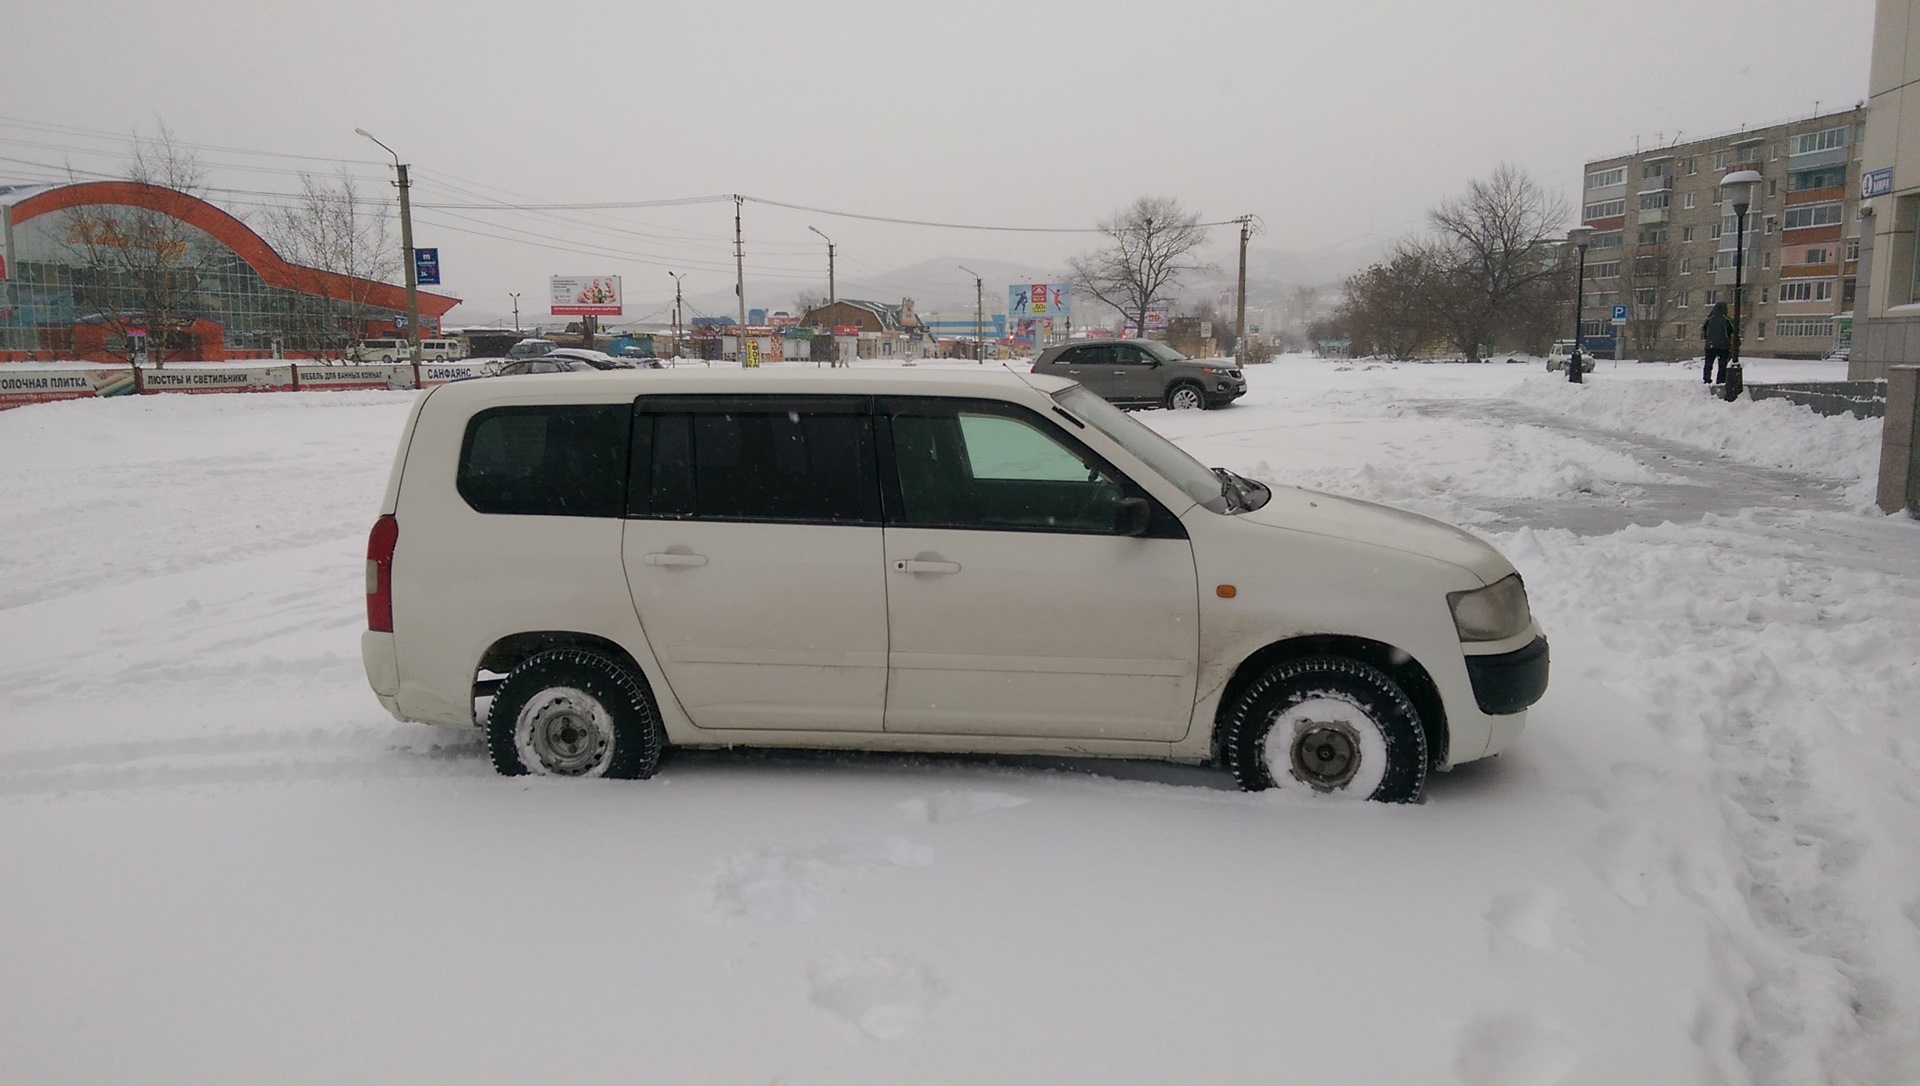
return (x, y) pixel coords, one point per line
(990, 563)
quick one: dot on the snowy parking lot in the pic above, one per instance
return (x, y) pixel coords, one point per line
(222, 862)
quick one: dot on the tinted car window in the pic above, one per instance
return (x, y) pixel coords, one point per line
(556, 461)
(772, 464)
(966, 464)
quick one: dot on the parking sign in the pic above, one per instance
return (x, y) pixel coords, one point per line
(1619, 314)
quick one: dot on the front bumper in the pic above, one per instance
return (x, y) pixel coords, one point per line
(1511, 681)
(1226, 392)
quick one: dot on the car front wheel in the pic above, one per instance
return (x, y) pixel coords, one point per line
(1186, 397)
(573, 713)
(1327, 726)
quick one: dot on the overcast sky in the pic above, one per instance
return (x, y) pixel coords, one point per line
(1338, 123)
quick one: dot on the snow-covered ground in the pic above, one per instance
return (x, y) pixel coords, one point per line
(221, 862)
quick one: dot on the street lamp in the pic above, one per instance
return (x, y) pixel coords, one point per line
(1738, 187)
(831, 297)
(406, 255)
(1578, 237)
(515, 295)
(979, 316)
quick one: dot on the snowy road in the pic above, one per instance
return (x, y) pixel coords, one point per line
(221, 862)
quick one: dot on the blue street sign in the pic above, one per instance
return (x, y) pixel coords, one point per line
(1619, 312)
(426, 267)
(1876, 183)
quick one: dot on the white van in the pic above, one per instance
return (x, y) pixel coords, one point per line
(400, 350)
(881, 560)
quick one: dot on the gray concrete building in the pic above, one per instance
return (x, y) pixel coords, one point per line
(1888, 345)
(1663, 242)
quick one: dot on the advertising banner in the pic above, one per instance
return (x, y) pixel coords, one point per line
(316, 377)
(1039, 300)
(22, 383)
(585, 296)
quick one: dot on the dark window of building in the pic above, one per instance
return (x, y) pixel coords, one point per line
(554, 461)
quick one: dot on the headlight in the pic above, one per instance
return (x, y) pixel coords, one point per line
(1217, 371)
(1493, 613)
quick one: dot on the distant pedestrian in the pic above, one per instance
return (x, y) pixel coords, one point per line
(1717, 333)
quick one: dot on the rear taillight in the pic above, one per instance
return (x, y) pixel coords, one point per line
(380, 544)
(1033, 369)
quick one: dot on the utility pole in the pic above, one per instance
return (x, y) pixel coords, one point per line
(831, 298)
(1240, 304)
(979, 317)
(740, 276)
(676, 318)
(515, 295)
(406, 261)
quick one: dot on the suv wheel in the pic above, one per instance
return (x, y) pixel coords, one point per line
(1327, 725)
(1186, 396)
(573, 713)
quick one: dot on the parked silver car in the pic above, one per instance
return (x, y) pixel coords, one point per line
(1143, 371)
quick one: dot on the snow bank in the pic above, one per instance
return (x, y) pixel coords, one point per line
(1771, 433)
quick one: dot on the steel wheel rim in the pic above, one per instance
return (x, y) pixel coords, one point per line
(566, 732)
(1185, 399)
(1325, 756)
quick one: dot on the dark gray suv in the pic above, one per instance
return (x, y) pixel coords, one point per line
(1142, 371)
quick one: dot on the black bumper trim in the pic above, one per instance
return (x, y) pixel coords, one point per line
(1511, 681)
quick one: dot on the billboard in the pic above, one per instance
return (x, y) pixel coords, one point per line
(585, 296)
(1039, 300)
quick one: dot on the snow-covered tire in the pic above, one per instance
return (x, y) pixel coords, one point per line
(1343, 729)
(1186, 396)
(574, 713)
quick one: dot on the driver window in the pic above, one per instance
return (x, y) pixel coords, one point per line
(994, 469)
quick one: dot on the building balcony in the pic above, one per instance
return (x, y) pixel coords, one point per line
(1652, 215)
(1832, 156)
(1663, 183)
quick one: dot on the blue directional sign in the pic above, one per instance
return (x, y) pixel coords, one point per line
(1876, 183)
(426, 267)
(1619, 312)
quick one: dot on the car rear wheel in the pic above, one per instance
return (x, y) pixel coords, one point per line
(574, 713)
(1327, 726)
(1186, 396)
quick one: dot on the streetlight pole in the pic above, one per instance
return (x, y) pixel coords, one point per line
(1739, 186)
(515, 295)
(406, 255)
(831, 297)
(676, 318)
(1578, 237)
(979, 317)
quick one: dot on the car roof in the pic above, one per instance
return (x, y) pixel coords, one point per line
(612, 386)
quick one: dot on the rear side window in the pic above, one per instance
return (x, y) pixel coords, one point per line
(552, 461)
(781, 464)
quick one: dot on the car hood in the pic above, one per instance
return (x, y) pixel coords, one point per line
(1382, 526)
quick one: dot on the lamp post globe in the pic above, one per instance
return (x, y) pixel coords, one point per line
(1579, 237)
(1738, 188)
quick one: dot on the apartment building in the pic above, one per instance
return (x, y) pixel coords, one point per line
(1663, 240)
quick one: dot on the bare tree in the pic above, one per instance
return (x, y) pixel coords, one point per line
(1395, 308)
(1653, 292)
(342, 244)
(1499, 243)
(807, 301)
(1153, 242)
(141, 268)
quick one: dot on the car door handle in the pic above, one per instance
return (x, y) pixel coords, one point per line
(665, 558)
(914, 565)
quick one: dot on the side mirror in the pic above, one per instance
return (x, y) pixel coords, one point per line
(1132, 516)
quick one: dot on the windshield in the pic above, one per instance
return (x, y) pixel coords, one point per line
(1163, 352)
(1172, 462)
(530, 348)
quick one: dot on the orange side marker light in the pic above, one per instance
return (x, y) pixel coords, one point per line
(1225, 591)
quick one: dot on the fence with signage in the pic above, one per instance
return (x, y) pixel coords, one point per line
(23, 383)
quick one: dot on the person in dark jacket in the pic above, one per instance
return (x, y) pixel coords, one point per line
(1718, 334)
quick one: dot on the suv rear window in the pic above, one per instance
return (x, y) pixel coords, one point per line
(552, 461)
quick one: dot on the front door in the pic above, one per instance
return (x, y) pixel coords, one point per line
(753, 551)
(1015, 607)
(1133, 374)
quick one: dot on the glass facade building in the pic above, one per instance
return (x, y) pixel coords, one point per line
(105, 270)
